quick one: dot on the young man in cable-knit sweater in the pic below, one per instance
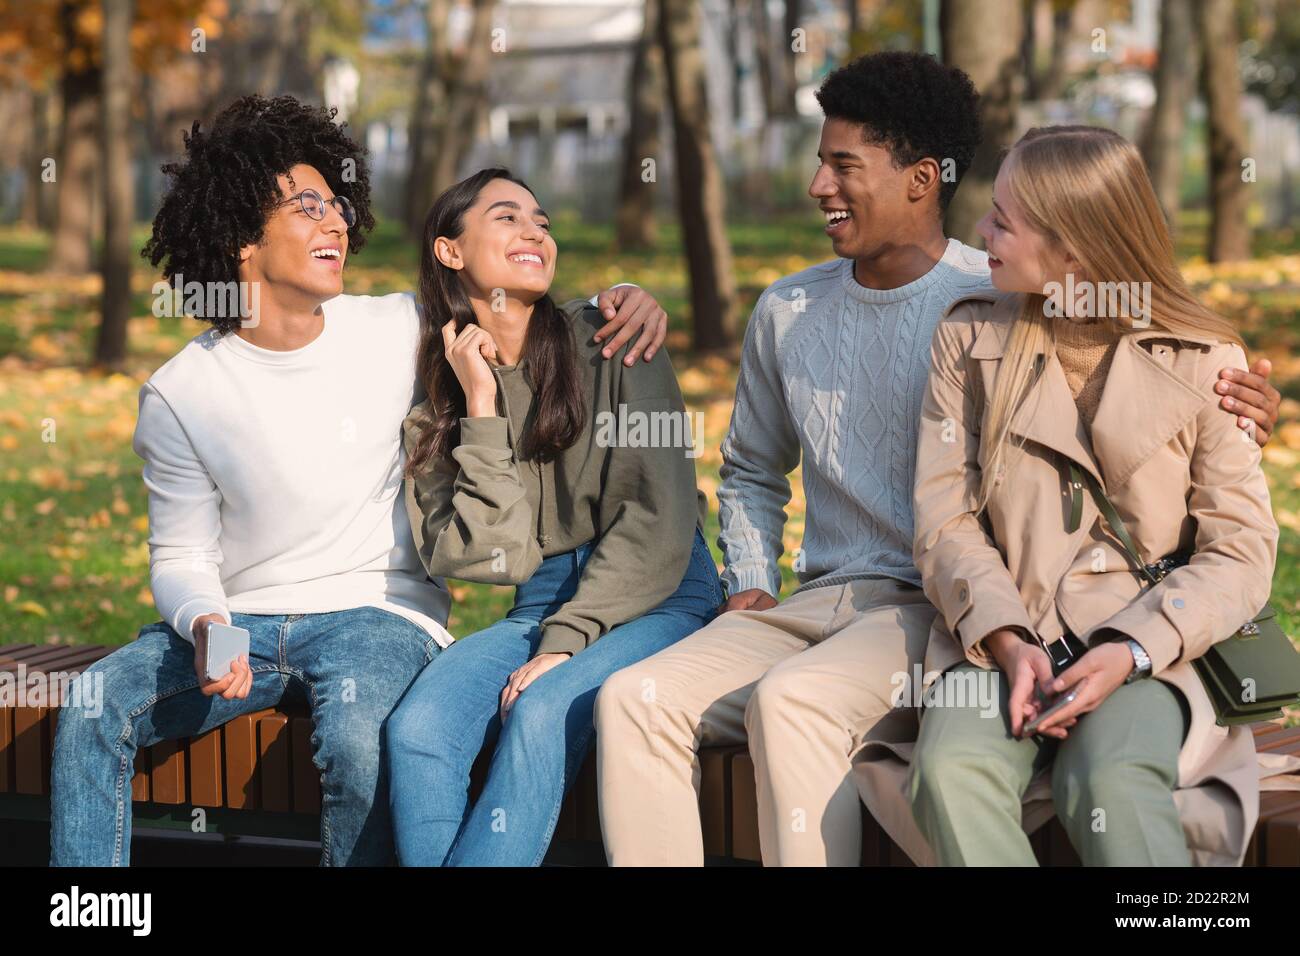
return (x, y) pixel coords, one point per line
(833, 373)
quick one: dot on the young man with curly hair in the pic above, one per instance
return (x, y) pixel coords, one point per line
(833, 374)
(273, 459)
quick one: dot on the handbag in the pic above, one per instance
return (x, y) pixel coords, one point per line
(1249, 676)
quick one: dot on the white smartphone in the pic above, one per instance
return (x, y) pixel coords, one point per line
(225, 644)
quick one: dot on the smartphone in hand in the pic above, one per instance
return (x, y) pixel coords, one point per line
(1056, 704)
(225, 644)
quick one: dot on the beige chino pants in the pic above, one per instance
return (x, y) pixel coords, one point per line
(803, 682)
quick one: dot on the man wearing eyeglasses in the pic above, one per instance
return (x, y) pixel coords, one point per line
(273, 459)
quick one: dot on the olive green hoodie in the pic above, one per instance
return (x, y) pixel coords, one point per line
(488, 516)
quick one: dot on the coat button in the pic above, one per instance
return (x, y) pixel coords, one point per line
(961, 595)
(1177, 602)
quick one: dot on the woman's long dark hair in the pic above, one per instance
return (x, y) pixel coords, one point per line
(549, 348)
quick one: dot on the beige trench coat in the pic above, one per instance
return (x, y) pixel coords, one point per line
(1182, 475)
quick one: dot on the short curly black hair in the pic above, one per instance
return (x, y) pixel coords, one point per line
(224, 189)
(912, 105)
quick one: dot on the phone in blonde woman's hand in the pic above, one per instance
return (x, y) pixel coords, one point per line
(1054, 705)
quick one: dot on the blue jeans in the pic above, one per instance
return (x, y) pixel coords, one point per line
(351, 666)
(451, 713)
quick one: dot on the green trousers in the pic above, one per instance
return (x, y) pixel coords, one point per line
(1112, 778)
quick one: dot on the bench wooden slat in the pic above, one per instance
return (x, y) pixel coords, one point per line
(205, 769)
(12, 654)
(140, 789)
(273, 762)
(167, 778)
(715, 815)
(76, 663)
(744, 808)
(6, 749)
(241, 763)
(306, 776)
(31, 751)
(1281, 832)
(42, 658)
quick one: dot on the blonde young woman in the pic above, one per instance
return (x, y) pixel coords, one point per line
(1032, 584)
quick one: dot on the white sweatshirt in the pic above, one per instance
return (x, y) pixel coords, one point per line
(275, 478)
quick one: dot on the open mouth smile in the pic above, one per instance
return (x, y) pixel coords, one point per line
(329, 254)
(836, 219)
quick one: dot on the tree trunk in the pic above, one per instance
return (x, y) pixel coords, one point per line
(1162, 145)
(635, 220)
(115, 128)
(992, 59)
(288, 29)
(1229, 238)
(30, 214)
(430, 102)
(701, 200)
(763, 56)
(467, 101)
(75, 169)
(789, 80)
(1050, 82)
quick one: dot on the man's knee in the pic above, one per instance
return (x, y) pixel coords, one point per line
(624, 696)
(787, 694)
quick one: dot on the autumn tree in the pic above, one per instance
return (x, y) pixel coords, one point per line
(450, 97)
(991, 57)
(1225, 131)
(56, 45)
(1175, 80)
(701, 199)
(115, 135)
(634, 223)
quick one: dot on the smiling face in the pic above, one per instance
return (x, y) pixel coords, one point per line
(1021, 258)
(506, 244)
(864, 197)
(299, 258)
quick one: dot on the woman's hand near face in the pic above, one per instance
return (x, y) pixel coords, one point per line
(468, 353)
(1027, 666)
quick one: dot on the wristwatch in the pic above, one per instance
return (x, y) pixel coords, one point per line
(1141, 661)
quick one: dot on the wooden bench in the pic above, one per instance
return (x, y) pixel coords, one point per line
(254, 776)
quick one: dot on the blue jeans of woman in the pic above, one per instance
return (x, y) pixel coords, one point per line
(451, 713)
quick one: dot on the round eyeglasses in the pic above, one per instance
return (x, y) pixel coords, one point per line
(313, 204)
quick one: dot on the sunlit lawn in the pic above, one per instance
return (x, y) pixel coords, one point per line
(74, 554)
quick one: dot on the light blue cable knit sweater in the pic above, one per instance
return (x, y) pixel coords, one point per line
(836, 372)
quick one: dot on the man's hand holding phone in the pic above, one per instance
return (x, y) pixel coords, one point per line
(236, 683)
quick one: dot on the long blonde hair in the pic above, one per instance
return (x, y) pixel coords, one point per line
(1086, 188)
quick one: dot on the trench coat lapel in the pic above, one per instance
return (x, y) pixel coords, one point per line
(1048, 415)
(1143, 405)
